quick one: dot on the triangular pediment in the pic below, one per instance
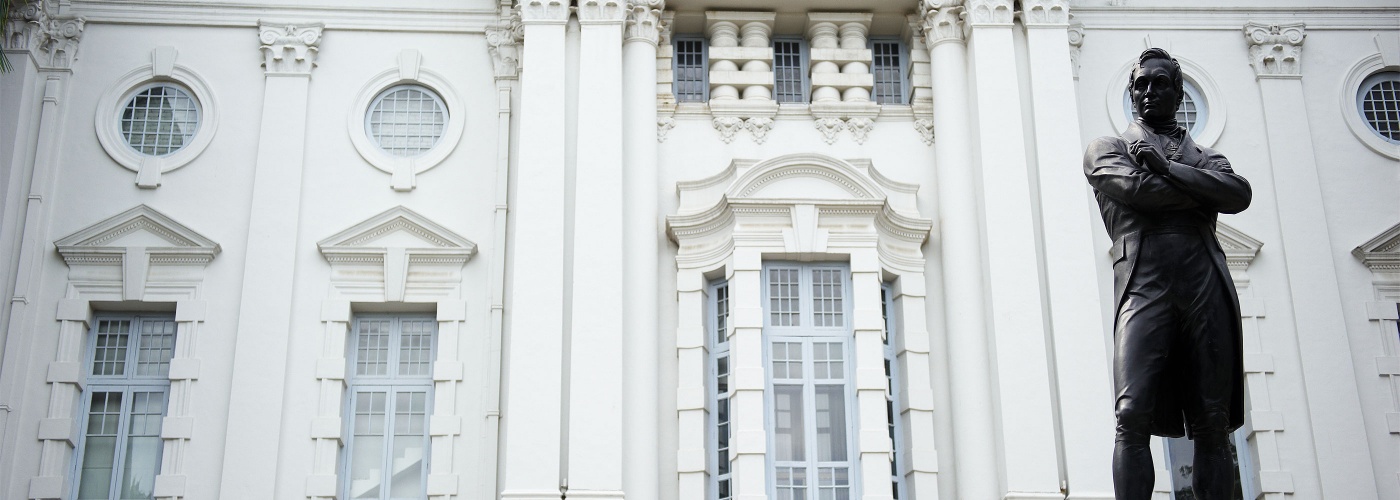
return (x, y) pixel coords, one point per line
(1381, 252)
(397, 227)
(1239, 248)
(141, 226)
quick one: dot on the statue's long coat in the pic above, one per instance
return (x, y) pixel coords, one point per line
(1200, 184)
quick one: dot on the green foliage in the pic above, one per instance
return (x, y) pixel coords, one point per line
(4, 21)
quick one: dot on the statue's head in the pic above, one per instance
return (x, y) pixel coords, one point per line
(1156, 87)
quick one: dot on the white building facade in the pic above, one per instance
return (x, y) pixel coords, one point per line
(679, 249)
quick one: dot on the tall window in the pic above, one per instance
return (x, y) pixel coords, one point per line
(789, 70)
(887, 64)
(719, 391)
(391, 385)
(807, 333)
(691, 69)
(892, 409)
(128, 377)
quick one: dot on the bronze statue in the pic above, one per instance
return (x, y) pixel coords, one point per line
(1177, 364)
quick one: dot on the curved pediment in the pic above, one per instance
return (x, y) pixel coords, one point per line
(804, 176)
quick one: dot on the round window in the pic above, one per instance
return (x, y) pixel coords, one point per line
(1191, 115)
(406, 120)
(1378, 101)
(159, 119)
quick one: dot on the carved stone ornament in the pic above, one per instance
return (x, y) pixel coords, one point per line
(942, 21)
(1076, 41)
(289, 47)
(1275, 49)
(503, 42)
(860, 128)
(47, 30)
(1045, 12)
(924, 127)
(989, 12)
(544, 11)
(759, 126)
(601, 10)
(644, 20)
(829, 127)
(664, 124)
(727, 126)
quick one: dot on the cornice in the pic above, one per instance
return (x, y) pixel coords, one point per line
(93, 244)
(1381, 253)
(389, 17)
(1231, 18)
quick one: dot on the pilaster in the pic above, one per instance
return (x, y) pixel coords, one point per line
(532, 443)
(974, 449)
(265, 304)
(641, 240)
(1024, 401)
(1083, 386)
(1334, 403)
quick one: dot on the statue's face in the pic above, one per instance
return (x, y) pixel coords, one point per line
(1154, 94)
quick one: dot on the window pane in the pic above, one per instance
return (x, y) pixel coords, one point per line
(367, 443)
(831, 423)
(721, 312)
(827, 292)
(109, 355)
(791, 482)
(159, 120)
(416, 348)
(100, 445)
(787, 360)
(788, 433)
(410, 434)
(690, 71)
(372, 347)
(886, 68)
(783, 297)
(834, 483)
(157, 345)
(788, 72)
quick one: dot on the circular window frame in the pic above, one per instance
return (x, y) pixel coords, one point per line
(1351, 113)
(381, 83)
(1210, 109)
(447, 113)
(126, 102)
(107, 119)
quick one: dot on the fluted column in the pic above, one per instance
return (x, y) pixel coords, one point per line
(1024, 403)
(969, 364)
(1334, 403)
(534, 379)
(595, 411)
(642, 233)
(1084, 388)
(265, 306)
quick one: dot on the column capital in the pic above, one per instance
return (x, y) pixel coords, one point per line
(1275, 50)
(289, 48)
(503, 41)
(47, 30)
(544, 11)
(1076, 41)
(989, 13)
(602, 11)
(942, 21)
(644, 23)
(1045, 13)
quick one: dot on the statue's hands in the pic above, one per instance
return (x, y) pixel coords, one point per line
(1147, 155)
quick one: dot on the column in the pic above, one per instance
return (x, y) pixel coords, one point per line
(531, 467)
(641, 246)
(1334, 403)
(1021, 366)
(1084, 387)
(969, 365)
(265, 305)
(873, 445)
(595, 375)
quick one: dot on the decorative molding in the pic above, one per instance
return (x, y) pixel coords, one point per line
(1381, 254)
(602, 11)
(989, 13)
(1076, 42)
(924, 127)
(664, 124)
(644, 20)
(403, 171)
(1240, 249)
(156, 233)
(759, 126)
(1275, 49)
(1045, 12)
(942, 21)
(1216, 17)
(727, 126)
(48, 30)
(396, 256)
(544, 11)
(829, 127)
(289, 48)
(860, 128)
(503, 41)
(1386, 58)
